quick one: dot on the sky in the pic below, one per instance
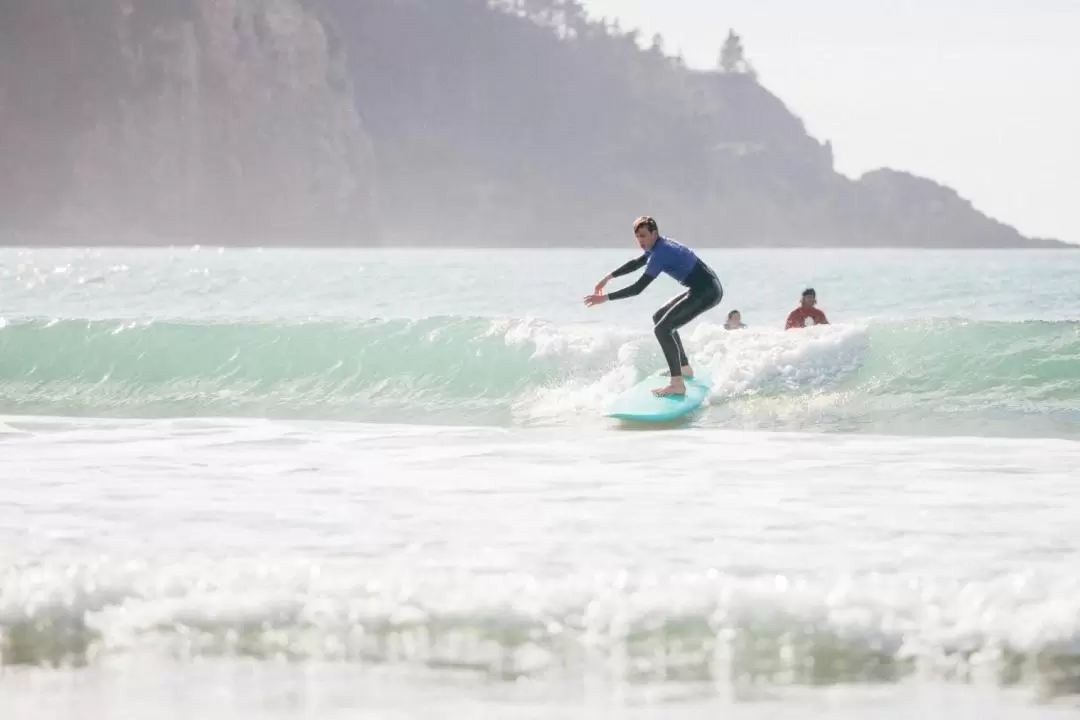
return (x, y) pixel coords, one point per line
(979, 95)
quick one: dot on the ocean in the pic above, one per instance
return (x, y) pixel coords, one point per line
(379, 483)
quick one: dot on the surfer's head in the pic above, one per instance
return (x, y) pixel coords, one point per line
(645, 231)
(809, 297)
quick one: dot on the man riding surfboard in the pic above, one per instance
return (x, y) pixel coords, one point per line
(704, 292)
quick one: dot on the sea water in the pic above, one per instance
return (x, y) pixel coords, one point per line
(379, 483)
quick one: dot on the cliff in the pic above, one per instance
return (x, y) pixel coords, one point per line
(522, 122)
(177, 120)
(441, 122)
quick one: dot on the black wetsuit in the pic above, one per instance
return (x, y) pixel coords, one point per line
(704, 292)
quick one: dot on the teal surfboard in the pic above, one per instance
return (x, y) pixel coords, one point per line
(639, 403)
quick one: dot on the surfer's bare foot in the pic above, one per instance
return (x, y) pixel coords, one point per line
(676, 387)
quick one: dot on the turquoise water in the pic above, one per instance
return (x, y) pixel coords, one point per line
(982, 343)
(310, 483)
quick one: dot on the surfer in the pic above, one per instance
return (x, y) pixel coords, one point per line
(664, 255)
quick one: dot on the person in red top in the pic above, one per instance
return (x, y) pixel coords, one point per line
(806, 311)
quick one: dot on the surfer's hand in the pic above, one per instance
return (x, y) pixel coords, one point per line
(600, 285)
(596, 299)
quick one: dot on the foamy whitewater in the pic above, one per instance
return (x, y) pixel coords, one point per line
(379, 484)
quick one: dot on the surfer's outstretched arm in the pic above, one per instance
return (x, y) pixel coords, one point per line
(632, 290)
(627, 267)
(630, 266)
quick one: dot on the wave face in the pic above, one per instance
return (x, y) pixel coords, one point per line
(926, 376)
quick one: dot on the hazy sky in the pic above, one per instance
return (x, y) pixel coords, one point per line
(980, 95)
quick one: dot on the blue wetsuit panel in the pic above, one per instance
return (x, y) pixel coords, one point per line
(670, 257)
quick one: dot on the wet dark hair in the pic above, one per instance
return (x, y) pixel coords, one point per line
(732, 313)
(809, 291)
(645, 221)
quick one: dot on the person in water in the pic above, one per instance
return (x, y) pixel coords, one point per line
(704, 292)
(807, 310)
(734, 321)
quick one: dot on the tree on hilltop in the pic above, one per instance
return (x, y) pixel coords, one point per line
(733, 56)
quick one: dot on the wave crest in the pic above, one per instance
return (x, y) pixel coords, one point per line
(885, 376)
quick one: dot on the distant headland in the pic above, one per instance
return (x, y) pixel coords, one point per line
(419, 122)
